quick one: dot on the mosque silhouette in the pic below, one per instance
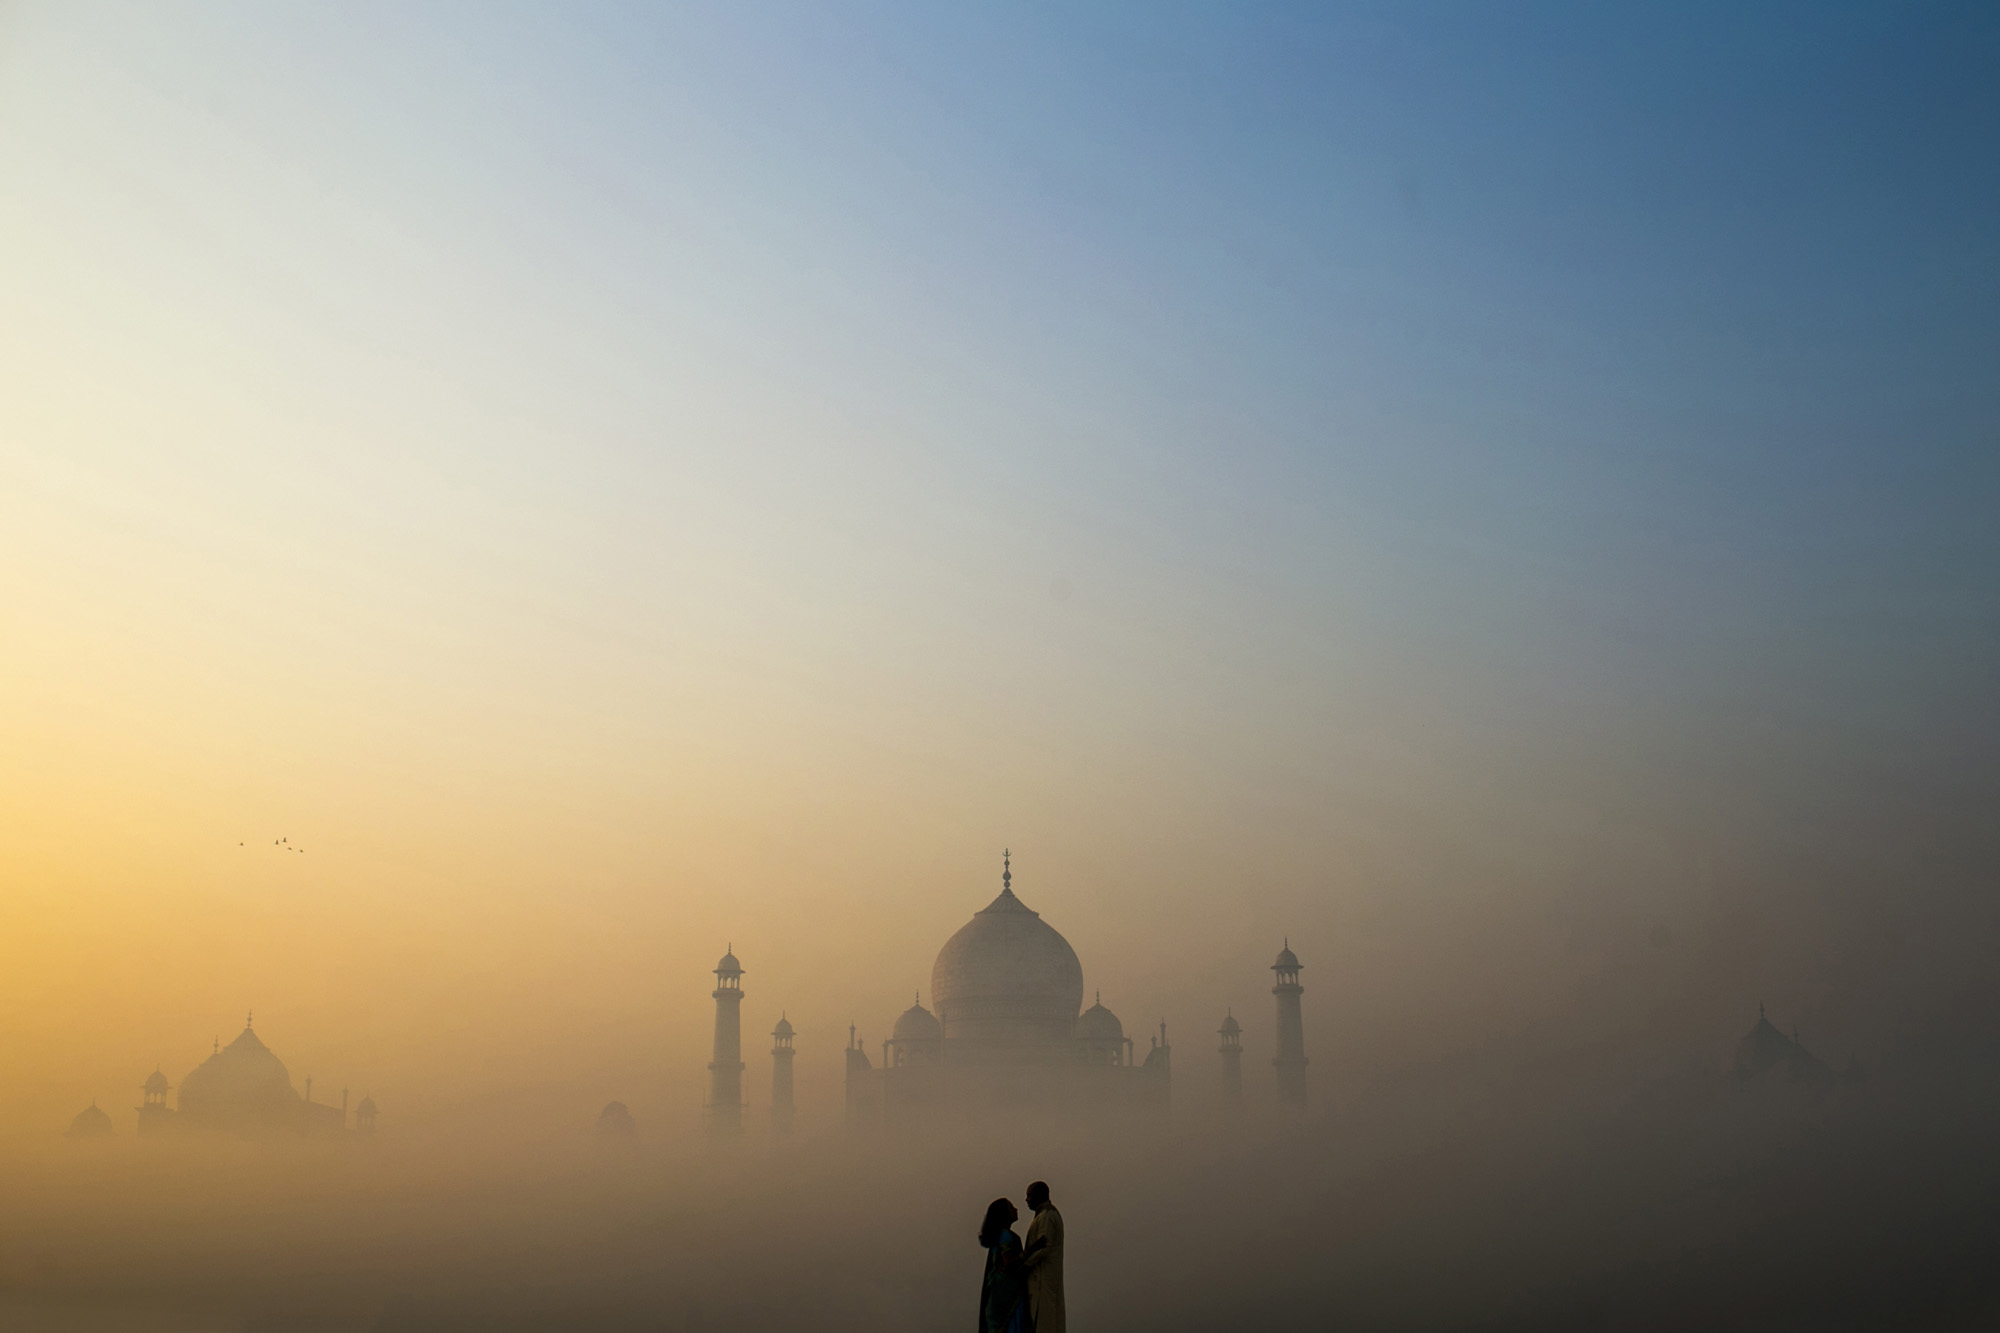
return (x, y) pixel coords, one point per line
(242, 1089)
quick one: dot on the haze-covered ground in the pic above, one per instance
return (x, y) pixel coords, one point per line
(1565, 1179)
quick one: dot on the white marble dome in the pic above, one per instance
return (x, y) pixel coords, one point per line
(1007, 985)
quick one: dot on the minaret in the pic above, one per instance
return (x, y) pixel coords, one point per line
(861, 1101)
(154, 1113)
(781, 1076)
(725, 1083)
(1291, 1058)
(1231, 1033)
(1157, 1073)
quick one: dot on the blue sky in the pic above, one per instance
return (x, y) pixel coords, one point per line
(1379, 459)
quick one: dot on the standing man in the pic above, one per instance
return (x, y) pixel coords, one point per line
(1043, 1259)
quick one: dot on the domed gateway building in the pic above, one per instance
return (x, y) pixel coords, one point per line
(1009, 1030)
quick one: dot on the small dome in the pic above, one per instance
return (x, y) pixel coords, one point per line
(90, 1123)
(155, 1082)
(1098, 1024)
(784, 1028)
(1287, 961)
(729, 967)
(918, 1024)
(367, 1106)
(615, 1120)
(1230, 1027)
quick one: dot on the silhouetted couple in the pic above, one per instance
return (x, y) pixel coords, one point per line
(1022, 1291)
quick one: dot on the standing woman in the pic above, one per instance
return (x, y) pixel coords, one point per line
(1003, 1291)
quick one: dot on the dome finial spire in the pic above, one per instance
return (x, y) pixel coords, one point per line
(1006, 871)
(249, 1018)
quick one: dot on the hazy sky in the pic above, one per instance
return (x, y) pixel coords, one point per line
(1482, 489)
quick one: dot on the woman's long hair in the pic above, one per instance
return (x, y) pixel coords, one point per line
(1000, 1215)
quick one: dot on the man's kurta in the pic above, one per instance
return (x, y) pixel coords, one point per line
(1045, 1270)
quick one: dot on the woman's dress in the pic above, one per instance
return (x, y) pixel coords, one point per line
(1003, 1292)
